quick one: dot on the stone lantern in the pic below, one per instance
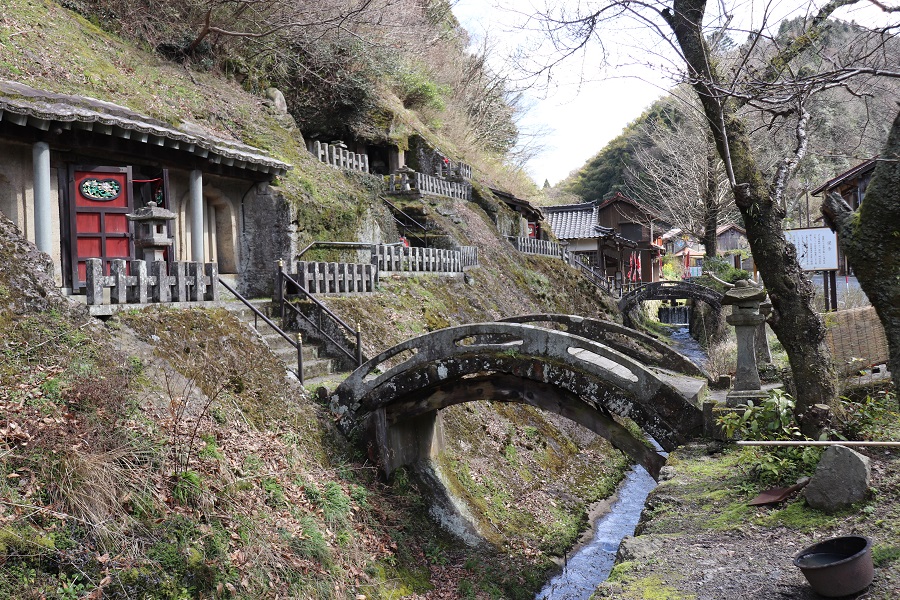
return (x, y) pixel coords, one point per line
(406, 174)
(151, 230)
(746, 318)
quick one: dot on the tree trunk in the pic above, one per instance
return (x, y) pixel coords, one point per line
(711, 201)
(798, 327)
(870, 238)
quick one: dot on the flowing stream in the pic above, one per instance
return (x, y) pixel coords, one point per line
(593, 561)
(591, 564)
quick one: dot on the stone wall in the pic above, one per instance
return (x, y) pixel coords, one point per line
(266, 237)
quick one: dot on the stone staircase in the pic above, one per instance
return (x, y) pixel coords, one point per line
(413, 213)
(317, 368)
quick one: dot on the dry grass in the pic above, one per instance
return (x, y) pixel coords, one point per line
(722, 356)
(98, 488)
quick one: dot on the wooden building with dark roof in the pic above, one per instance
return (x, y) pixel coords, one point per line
(617, 236)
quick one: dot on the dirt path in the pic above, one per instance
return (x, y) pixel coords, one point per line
(699, 539)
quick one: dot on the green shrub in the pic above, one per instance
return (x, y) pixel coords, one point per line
(186, 487)
(771, 420)
(312, 543)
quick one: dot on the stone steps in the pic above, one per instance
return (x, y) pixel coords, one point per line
(315, 364)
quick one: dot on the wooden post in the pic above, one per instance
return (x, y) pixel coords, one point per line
(832, 275)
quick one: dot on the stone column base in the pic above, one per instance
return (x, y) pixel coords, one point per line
(737, 397)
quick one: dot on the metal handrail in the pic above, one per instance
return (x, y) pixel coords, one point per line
(591, 274)
(297, 344)
(412, 220)
(359, 245)
(283, 279)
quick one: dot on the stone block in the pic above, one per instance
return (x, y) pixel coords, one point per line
(842, 478)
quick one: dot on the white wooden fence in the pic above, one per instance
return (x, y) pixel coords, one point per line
(335, 278)
(393, 259)
(400, 183)
(456, 169)
(338, 156)
(529, 245)
(137, 282)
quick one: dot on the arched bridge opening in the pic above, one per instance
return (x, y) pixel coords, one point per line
(668, 290)
(393, 401)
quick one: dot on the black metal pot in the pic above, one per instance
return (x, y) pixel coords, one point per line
(839, 566)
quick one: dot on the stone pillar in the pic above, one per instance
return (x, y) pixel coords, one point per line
(197, 220)
(745, 318)
(43, 212)
(763, 352)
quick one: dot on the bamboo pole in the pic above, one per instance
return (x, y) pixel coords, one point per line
(817, 443)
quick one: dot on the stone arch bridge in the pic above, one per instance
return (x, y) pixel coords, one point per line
(392, 401)
(669, 290)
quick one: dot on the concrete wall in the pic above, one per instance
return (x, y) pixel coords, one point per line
(222, 222)
(17, 195)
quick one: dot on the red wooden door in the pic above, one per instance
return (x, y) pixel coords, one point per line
(101, 197)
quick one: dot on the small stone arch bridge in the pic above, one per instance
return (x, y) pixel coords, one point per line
(392, 401)
(669, 290)
(630, 342)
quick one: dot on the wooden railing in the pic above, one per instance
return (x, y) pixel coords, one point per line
(400, 183)
(338, 156)
(335, 278)
(529, 245)
(392, 259)
(137, 282)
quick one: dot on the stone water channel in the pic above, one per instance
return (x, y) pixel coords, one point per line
(592, 562)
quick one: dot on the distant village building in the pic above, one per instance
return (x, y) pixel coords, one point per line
(730, 239)
(73, 167)
(851, 186)
(617, 236)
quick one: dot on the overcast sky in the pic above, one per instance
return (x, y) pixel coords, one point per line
(580, 116)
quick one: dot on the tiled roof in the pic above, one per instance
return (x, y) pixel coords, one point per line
(24, 105)
(572, 221)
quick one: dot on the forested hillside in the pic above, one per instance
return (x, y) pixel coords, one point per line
(847, 124)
